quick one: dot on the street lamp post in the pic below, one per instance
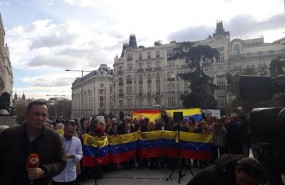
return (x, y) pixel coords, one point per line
(82, 71)
(55, 95)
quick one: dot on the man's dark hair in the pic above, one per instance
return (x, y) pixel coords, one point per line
(251, 167)
(82, 120)
(37, 102)
(70, 122)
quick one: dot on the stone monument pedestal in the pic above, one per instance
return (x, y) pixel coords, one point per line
(7, 120)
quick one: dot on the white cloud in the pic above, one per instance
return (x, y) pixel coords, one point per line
(83, 3)
(82, 34)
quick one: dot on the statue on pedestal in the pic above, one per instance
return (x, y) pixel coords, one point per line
(5, 103)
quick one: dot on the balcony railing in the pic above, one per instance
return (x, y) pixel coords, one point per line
(121, 83)
(157, 68)
(120, 72)
(148, 81)
(140, 70)
(140, 82)
(170, 79)
(157, 81)
(129, 82)
(148, 69)
(121, 95)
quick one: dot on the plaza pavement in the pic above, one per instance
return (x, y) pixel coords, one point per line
(138, 176)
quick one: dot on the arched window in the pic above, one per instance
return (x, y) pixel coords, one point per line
(236, 49)
(129, 79)
(140, 79)
(158, 77)
(121, 81)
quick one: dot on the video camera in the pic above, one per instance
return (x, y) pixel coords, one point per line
(267, 124)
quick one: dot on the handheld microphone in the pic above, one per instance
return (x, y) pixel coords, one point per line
(33, 161)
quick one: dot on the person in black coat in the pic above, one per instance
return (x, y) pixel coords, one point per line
(231, 170)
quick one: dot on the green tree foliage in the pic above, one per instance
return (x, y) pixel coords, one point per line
(201, 86)
(233, 89)
(276, 69)
(20, 109)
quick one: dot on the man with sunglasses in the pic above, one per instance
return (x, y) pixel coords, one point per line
(231, 170)
(19, 143)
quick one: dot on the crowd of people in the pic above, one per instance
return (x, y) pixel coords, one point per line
(231, 134)
(60, 154)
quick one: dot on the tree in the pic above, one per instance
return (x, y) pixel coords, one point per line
(20, 109)
(202, 88)
(233, 89)
(276, 69)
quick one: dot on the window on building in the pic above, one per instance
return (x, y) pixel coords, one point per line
(101, 92)
(130, 67)
(140, 56)
(157, 63)
(158, 77)
(121, 81)
(101, 85)
(260, 53)
(149, 102)
(141, 102)
(121, 103)
(221, 59)
(130, 57)
(141, 89)
(120, 91)
(221, 85)
(120, 68)
(129, 79)
(140, 79)
(130, 103)
(148, 78)
(129, 90)
(149, 89)
(169, 53)
(157, 89)
(186, 88)
(171, 89)
(157, 54)
(236, 49)
(220, 71)
(148, 55)
(221, 101)
(140, 65)
(149, 65)
(171, 101)
(171, 63)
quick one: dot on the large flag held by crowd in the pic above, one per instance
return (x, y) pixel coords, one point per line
(120, 148)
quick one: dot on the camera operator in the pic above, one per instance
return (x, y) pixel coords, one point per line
(245, 139)
(230, 170)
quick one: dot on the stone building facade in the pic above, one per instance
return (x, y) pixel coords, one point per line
(143, 78)
(6, 74)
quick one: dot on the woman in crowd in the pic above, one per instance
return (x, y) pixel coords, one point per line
(83, 128)
(220, 135)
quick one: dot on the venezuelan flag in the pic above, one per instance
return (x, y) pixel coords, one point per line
(151, 114)
(123, 147)
(95, 151)
(196, 146)
(196, 113)
(158, 143)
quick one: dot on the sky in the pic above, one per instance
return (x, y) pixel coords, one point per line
(46, 37)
